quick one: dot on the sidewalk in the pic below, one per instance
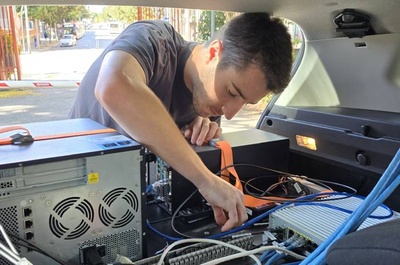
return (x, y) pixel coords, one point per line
(245, 119)
(44, 45)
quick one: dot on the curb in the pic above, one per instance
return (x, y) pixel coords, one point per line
(38, 84)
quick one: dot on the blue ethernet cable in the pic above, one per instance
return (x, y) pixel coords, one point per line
(388, 182)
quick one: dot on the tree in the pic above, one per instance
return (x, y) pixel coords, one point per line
(58, 14)
(204, 26)
(126, 14)
(51, 15)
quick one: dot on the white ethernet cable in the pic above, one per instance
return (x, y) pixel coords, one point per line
(254, 251)
(205, 240)
(11, 253)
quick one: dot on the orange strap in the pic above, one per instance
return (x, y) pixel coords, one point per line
(249, 201)
(27, 137)
(227, 160)
(13, 128)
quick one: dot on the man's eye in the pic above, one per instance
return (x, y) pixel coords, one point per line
(231, 94)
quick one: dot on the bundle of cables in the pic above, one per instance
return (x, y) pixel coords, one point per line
(388, 182)
(279, 201)
(385, 186)
(10, 253)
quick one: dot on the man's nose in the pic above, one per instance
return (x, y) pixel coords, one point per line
(231, 109)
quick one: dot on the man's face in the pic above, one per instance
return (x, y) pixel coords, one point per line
(224, 92)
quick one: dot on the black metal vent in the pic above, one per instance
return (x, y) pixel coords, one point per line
(9, 221)
(117, 198)
(57, 224)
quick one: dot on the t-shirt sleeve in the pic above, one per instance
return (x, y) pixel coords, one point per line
(148, 42)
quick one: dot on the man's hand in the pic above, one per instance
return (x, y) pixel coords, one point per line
(201, 130)
(227, 203)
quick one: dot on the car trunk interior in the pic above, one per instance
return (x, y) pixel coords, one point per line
(350, 110)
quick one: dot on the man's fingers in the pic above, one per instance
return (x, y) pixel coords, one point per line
(242, 213)
(227, 203)
(200, 131)
(236, 218)
(187, 133)
(230, 218)
(214, 132)
(219, 215)
(232, 221)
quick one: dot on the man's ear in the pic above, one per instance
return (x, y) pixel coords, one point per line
(214, 50)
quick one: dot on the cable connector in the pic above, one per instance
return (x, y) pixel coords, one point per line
(9, 252)
(213, 142)
(299, 242)
(20, 138)
(92, 255)
(150, 157)
(295, 187)
(290, 240)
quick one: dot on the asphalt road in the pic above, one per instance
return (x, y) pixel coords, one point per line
(19, 106)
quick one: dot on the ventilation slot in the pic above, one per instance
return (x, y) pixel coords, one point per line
(115, 199)
(9, 220)
(59, 224)
(5, 186)
(360, 45)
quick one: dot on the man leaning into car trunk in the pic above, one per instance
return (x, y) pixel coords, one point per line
(152, 85)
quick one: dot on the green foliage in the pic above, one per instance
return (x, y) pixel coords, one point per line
(8, 43)
(58, 14)
(204, 27)
(126, 14)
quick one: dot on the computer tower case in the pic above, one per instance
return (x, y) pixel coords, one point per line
(68, 194)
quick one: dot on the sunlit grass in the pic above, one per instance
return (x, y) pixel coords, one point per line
(16, 93)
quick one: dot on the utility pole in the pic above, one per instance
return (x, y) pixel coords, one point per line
(139, 13)
(24, 17)
(28, 38)
(212, 23)
(22, 28)
(15, 43)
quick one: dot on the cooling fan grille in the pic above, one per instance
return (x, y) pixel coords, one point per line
(57, 224)
(116, 198)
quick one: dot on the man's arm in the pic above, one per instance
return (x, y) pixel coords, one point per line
(121, 89)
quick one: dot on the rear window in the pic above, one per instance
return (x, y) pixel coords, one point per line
(95, 27)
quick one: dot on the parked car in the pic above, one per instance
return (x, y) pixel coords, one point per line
(68, 40)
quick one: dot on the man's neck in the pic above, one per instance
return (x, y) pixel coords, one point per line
(193, 66)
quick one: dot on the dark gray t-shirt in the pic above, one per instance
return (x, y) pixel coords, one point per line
(162, 53)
